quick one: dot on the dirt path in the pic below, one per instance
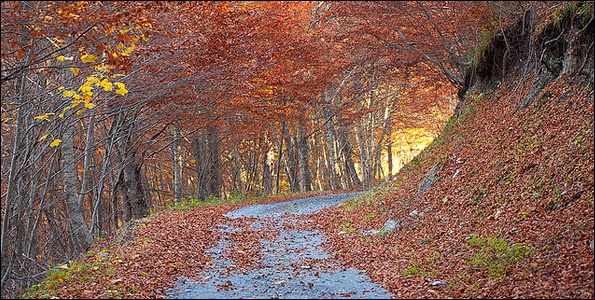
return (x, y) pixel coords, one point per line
(290, 262)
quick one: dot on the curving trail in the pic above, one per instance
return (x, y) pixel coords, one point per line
(290, 262)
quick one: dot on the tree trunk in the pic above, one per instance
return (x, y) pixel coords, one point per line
(237, 175)
(304, 165)
(208, 163)
(267, 179)
(279, 154)
(214, 162)
(87, 159)
(123, 190)
(176, 163)
(200, 157)
(363, 152)
(347, 153)
(133, 178)
(330, 135)
(81, 237)
(291, 162)
(389, 149)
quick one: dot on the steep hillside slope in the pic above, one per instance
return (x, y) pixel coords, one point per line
(501, 203)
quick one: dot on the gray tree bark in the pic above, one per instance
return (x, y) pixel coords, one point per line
(291, 161)
(176, 163)
(304, 165)
(330, 135)
(81, 237)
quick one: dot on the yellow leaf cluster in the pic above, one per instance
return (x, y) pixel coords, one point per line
(86, 88)
(76, 102)
(92, 79)
(88, 58)
(63, 58)
(56, 143)
(128, 50)
(87, 96)
(68, 93)
(45, 116)
(121, 89)
(106, 85)
(103, 68)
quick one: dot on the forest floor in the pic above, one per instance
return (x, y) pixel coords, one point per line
(233, 250)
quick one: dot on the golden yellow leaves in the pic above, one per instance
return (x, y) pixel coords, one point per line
(107, 86)
(74, 71)
(68, 93)
(109, 30)
(92, 79)
(86, 88)
(56, 143)
(45, 116)
(128, 50)
(103, 68)
(78, 99)
(103, 83)
(56, 42)
(88, 58)
(121, 89)
(63, 58)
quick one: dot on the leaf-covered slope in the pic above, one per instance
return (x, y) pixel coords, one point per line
(509, 212)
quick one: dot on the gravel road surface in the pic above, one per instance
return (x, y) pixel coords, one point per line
(288, 268)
